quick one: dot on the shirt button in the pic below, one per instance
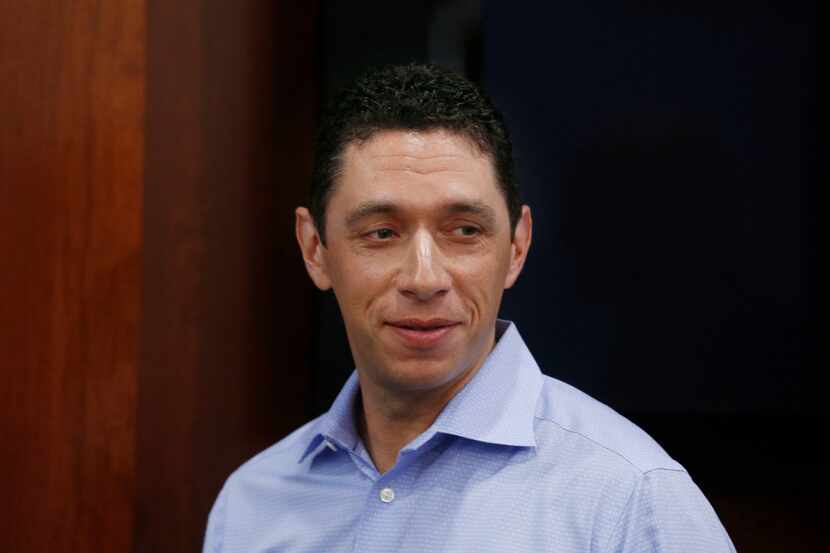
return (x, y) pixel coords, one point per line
(387, 495)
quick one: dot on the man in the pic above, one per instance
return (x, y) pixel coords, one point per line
(447, 437)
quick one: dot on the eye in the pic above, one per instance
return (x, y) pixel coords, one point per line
(466, 231)
(381, 234)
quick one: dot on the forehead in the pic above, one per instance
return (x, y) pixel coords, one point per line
(418, 168)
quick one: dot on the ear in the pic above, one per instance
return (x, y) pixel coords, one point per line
(312, 248)
(521, 244)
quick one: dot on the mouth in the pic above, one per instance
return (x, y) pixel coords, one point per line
(423, 333)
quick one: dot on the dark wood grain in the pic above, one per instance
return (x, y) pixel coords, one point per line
(154, 316)
(71, 158)
(226, 325)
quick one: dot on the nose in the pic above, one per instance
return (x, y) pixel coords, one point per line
(423, 275)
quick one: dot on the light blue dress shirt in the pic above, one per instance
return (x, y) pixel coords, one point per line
(516, 462)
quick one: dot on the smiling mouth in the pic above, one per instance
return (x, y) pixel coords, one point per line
(422, 324)
(423, 333)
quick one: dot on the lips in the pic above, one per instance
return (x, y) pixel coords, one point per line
(423, 333)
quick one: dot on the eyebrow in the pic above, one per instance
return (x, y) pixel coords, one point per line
(375, 207)
(369, 208)
(479, 209)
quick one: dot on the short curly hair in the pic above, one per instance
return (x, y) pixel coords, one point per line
(417, 97)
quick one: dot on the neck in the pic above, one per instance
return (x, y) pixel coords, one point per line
(390, 419)
(387, 423)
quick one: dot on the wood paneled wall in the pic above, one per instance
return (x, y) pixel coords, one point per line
(72, 82)
(153, 312)
(230, 118)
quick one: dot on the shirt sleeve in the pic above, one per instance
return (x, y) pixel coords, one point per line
(215, 533)
(667, 513)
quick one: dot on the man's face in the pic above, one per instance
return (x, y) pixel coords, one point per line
(418, 251)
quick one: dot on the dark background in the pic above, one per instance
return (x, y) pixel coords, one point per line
(667, 151)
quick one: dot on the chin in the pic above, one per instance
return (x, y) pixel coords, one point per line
(422, 375)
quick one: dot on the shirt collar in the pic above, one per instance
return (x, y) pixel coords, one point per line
(496, 406)
(338, 425)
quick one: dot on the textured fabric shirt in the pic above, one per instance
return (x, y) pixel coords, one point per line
(516, 462)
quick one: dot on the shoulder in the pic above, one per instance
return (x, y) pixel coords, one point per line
(598, 428)
(282, 458)
(263, 471)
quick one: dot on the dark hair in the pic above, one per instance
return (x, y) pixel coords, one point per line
(410, 97)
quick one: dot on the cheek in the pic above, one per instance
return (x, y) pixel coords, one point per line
(481, 282)
(359, 285)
